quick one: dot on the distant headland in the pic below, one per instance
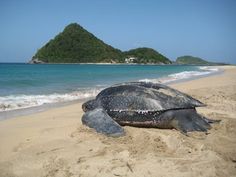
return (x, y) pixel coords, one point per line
(190, 60)
(76, 45)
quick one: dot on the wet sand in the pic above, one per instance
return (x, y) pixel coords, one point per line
(55, 143)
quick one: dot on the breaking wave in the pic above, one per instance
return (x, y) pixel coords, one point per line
(13, 102)
(204, 70)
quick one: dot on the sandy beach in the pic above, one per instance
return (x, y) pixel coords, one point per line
(54, 143)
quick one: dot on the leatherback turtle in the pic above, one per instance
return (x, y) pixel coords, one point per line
(143, 104)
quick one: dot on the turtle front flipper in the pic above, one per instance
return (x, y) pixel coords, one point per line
(99, 120)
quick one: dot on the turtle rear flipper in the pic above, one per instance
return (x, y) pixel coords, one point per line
(99, 120)
(188, 120)
(211, 121)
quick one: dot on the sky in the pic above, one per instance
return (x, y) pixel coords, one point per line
(201, 28)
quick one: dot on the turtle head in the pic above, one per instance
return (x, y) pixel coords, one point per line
(90, 105)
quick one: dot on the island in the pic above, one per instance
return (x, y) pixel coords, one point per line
(191, 60)
(76, 45)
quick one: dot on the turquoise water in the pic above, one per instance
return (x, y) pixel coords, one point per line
(25, 85)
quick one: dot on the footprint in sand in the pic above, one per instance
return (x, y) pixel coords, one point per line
(21, 145)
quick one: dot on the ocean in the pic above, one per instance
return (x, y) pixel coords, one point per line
(26, 85)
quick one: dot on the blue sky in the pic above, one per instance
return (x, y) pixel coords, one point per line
(203, 28)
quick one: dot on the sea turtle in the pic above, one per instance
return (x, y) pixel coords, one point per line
(143, 104)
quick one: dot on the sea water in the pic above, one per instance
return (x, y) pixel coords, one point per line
(26, 85)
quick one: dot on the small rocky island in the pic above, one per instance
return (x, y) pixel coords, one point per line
(191, 60)
(76, 45)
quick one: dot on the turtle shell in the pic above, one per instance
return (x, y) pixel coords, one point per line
(141, 96)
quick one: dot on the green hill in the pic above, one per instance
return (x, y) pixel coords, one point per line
(146, 55)
(191, 60)
(77, 45)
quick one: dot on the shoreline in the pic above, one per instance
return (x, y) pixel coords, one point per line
(47, 106)
(220, 70)
(56, 143)
(11, 114)
(161, 64)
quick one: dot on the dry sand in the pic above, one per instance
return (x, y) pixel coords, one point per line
(55, 143)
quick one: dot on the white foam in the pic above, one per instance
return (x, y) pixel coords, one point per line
(13, 102)
(205, 70)
(209, 68)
